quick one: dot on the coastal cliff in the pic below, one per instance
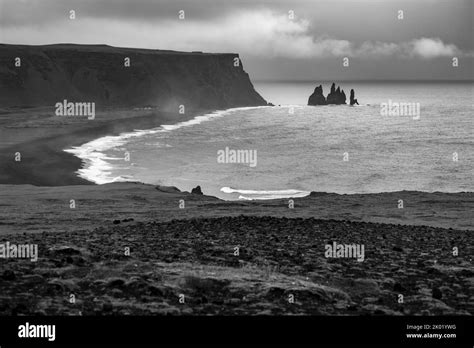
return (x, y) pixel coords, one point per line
(122, 77)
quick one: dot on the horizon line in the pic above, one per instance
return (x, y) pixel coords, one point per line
(315, 80)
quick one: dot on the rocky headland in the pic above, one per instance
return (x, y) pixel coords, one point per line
(122, 77)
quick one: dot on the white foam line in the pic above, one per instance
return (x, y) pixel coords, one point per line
(250, 195)
(260, 192)
(97, 169)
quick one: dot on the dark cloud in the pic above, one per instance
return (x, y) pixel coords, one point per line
(260, 30)
(31, 12)
(362, 20)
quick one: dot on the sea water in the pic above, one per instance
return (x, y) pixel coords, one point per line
(299, 148)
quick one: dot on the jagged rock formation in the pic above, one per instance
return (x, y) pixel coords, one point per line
(317, 98)
(353, 100)
(336, 96)
(197, 190)
(99, 73)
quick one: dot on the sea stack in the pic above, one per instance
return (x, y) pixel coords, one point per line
(317, 98)
(353, 100)
(336, 96)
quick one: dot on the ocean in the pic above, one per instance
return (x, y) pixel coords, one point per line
(292, 149)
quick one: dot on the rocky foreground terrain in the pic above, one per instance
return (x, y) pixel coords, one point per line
(277, 258)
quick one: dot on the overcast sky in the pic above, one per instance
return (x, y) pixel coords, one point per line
(272, 44)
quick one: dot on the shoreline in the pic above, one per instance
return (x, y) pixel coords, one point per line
(36, 209)
(53, 174)
(94, 172)
(43, 159)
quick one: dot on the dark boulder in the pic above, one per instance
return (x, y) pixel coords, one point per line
(317, 98)
(436, 293)
(64, 250)
(8, 275)
(197, 190)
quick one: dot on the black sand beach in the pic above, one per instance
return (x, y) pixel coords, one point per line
(40, 137)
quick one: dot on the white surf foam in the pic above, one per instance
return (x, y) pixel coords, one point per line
(265, 194)
(98, 170)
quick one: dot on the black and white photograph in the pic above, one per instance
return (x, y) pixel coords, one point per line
(225, 166)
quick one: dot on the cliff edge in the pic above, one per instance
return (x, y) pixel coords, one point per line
(122, 77)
